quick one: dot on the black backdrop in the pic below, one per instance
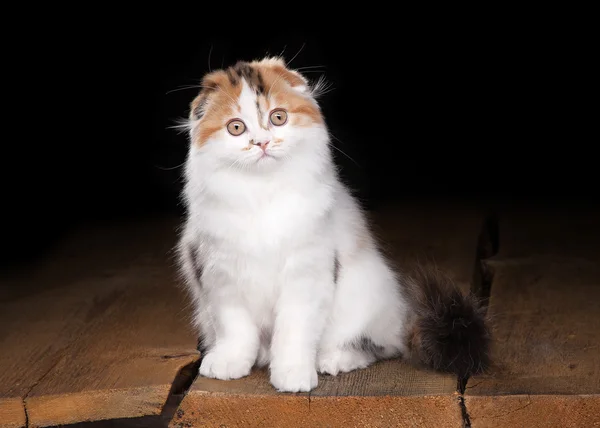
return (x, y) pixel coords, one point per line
(453, 112)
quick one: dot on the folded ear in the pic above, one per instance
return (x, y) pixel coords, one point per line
(209, 85)
(293, 78)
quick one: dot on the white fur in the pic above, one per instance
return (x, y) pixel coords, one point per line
(266, 233)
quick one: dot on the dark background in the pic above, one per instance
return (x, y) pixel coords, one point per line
(468, 114)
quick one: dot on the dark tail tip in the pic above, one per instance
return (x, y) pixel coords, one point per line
(449, 332)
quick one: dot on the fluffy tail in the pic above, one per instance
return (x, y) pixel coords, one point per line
(448, 330)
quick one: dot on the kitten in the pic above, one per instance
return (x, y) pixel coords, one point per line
(278, 257)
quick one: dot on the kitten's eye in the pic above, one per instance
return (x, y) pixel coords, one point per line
(236, 127)
(279, 117)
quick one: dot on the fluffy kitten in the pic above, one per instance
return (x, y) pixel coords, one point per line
(278, 257)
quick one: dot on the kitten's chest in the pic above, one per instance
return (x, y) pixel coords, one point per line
(274, 222)
(267, 220)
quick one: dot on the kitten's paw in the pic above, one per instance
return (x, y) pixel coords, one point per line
(225, 364)
(294, 378)
(343, 360)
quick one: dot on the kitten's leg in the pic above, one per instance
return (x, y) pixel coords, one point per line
(339, 349)
(366, 320)
(300, 317)
(228, 336)
(236, 343)
(233, 338)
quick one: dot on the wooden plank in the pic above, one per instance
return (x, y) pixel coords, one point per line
(389, 393)
(544, 302)
(12, 413)
(101, 333)
(539, 411)
(225, 410)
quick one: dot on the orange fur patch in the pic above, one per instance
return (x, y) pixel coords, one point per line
(278, 80)
(218, 99)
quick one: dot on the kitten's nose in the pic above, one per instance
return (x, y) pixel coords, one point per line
(262, 144)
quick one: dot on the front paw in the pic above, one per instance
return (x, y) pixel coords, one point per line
(225, 364)
(294, 378)
(342, 361)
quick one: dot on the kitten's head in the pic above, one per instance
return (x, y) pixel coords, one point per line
(256, 115)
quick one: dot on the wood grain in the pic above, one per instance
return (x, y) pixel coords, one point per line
(103, 331)
(273, 411)
(544, 303)
(539, 411)
(389, 393)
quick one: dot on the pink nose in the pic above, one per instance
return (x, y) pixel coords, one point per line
(261, 144)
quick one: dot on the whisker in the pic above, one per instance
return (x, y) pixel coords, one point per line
(294, 57)
(232, 165)
(281, 54)
(202, 87)
(182, 127)
(326, 91)
(340, 150)
(309, 67)
(321, 87)
(183, 88)
(170, 168)
(209, 55)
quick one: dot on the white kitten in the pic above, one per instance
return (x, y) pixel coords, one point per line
(277, 255)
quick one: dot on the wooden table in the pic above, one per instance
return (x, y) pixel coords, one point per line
(98, 330)
(545, 302)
